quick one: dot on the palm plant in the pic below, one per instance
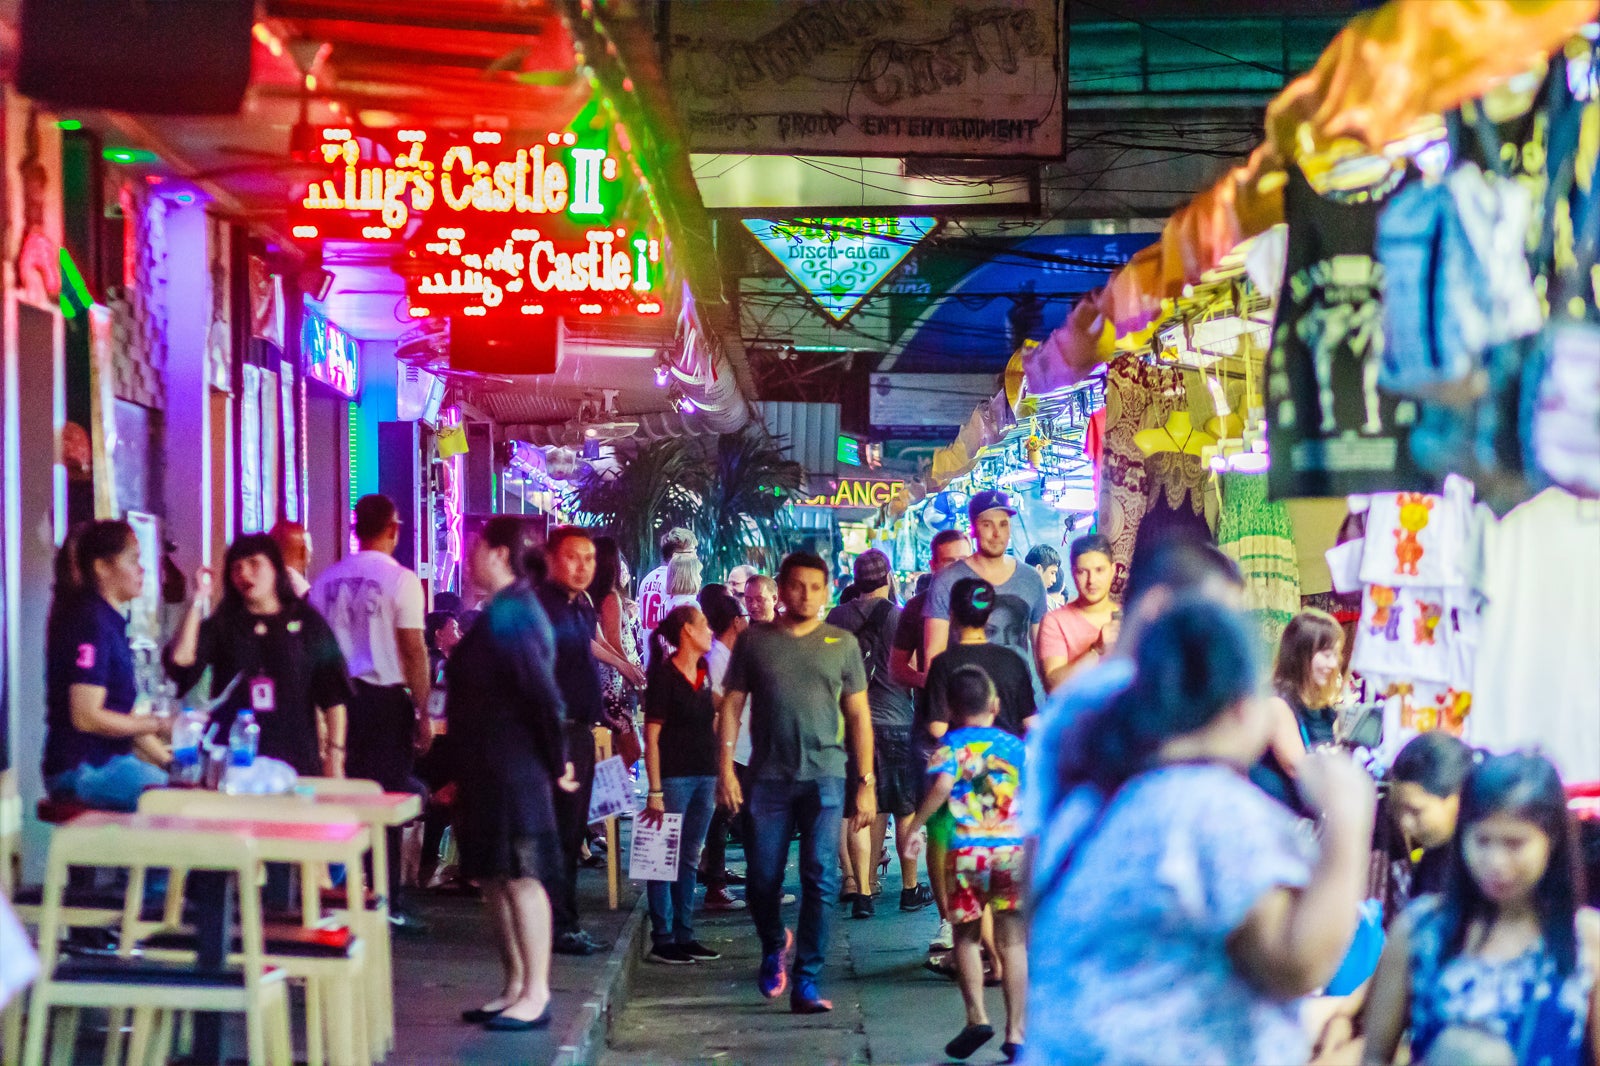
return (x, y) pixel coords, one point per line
(661, 486)
(742, 519)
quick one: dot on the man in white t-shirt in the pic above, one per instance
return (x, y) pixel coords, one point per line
(653, 589)
(376, 608)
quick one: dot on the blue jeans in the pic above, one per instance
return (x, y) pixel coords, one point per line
(672, 902)
(114, 785)
(777, 808)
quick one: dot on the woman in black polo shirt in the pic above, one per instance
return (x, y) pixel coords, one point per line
(91, 734)
(680, 754)
(287, 661)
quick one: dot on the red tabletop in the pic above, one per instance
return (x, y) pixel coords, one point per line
(275, 841)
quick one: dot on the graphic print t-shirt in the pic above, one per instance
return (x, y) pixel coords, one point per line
(987, 766)
(653, 598)
(365, 598)
(1020, 604)
(1331, 431)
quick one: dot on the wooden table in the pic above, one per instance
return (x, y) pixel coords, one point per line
(288, 842)
(380, 811)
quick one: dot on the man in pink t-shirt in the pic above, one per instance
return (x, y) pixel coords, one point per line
(1082, 632)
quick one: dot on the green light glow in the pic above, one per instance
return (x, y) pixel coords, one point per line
(75, 295)
(129, 156)
(839, 261)
(69, 124)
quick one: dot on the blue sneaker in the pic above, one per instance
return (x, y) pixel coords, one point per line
(773, 976)
(805, 999)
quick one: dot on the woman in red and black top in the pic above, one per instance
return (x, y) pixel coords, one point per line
(680, 754)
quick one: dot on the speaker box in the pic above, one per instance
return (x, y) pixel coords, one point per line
(166, 57)
(503, 344)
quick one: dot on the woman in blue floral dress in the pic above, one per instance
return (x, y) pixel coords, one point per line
(1187, 912)
(1505, 948)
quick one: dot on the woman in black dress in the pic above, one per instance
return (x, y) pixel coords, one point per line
(505, 713)
(290, 670)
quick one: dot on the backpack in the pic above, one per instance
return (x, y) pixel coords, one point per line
(870, 637)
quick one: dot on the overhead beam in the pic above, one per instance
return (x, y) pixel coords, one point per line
(432, 16)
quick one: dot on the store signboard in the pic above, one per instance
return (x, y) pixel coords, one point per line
(839, 261)
(490, 222)
(332, 356)
(915, 404)
(851, 492)
(870, 77)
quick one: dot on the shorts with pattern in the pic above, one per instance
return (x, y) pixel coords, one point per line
(983, 876)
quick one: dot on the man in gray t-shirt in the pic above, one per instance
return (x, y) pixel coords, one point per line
(1020, 603)
(808, 694)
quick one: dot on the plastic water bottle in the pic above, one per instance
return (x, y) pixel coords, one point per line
(243, 739)
(186, 732)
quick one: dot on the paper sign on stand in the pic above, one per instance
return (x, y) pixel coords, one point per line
(654, 855)
(612, 795)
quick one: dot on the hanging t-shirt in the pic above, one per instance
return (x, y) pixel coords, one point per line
(1539, 572)
(1330, 430)
(1416, 540)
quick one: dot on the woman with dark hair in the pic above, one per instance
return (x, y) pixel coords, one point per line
(1306, 683)
(1182, 917)
(1424, 800)
(97, 752)
(619, 625)
(278, 655)
(1505, 947)
(505, 713)
(680, 755)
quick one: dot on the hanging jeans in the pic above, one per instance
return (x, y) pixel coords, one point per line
(777, 808)
(672, 902)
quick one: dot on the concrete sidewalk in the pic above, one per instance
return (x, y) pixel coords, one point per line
(454, 967)
(887, 1008)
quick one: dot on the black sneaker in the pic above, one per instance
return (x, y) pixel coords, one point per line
(698, 951)
(579, 943)
(863, 907)
(670, 955)
(914, 899)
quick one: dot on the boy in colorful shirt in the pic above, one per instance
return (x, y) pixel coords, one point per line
(976, 771)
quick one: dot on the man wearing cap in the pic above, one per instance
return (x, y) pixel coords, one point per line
(377, 611)
(873, 617)
(1020, 603)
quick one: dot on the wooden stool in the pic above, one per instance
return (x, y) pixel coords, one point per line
(155, 992)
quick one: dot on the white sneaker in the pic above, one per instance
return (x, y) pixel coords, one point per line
(946, 940)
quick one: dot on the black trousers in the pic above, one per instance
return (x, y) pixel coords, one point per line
(380, 746)
(714, 859)
(572, 821)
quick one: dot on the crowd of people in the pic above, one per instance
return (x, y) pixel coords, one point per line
(1146, 836)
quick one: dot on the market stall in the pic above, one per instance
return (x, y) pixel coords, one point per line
(1378, 336)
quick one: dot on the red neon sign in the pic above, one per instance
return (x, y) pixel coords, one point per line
(487, 223)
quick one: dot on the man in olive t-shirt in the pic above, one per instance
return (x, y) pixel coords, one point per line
(808, 694)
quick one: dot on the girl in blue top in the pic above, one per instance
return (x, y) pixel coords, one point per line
(1505, 947)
